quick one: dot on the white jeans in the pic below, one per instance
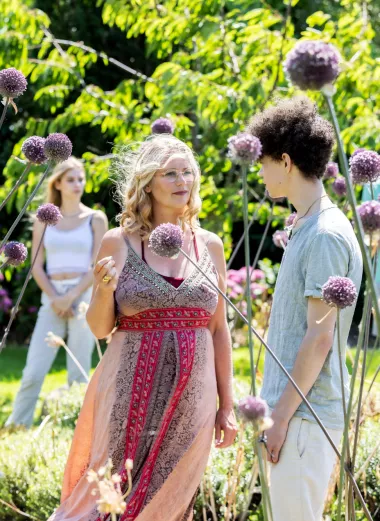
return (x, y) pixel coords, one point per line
(299, 481)
(40, 357)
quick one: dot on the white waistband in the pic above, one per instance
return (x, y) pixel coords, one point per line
(73, 281)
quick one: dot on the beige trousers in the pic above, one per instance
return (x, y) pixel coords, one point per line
(40, 357)
(299, 481)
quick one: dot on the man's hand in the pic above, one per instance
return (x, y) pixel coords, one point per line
(276, 437)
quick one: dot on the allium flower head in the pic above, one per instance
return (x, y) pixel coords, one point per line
(340, 292)
(12, 83)
(369, 213)
(244, 148)
(162, 126)
(15, 253)
(253, 408)
(280, 238)
(53, 340)
(311, 64)
(365, 167)
(290, 219)
(339, 186)
(58, 147)
(33, 150)
(166, 240)
(358, 151)
(49, 214)
(332, 170)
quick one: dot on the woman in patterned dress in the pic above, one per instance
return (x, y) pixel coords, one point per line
(164, 384)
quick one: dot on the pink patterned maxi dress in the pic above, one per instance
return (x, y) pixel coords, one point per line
(152, 398)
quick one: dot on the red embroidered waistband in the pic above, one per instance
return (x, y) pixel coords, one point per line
(165, 319)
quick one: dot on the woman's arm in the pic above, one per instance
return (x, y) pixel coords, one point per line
(99, 228)
(110, 260)
(38, 271)
(218, 327)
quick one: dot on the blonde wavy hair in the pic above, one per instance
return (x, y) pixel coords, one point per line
(134, 167)
(52, 194)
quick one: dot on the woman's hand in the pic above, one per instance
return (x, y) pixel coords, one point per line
(62, 305)
(105, 275)
(226, 422)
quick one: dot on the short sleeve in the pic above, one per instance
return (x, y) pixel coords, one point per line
(366, 194)
(328, 256)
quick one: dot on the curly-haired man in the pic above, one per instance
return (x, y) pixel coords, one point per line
(297, 144)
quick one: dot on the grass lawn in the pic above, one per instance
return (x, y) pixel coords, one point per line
(13, 360)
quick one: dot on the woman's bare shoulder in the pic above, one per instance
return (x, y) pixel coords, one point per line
(209, 239)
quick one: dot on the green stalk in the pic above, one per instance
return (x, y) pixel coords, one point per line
(351, 197)
(265, 497)
(18, 218)
(15, 307)
(342, 459)
(6, 105)
(248, 275)
(16, 185)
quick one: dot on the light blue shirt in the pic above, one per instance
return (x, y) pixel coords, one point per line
(324, 246)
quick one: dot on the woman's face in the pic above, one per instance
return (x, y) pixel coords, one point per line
(72, 183)
(171, 185)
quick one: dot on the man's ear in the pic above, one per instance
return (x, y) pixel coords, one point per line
(287, 161)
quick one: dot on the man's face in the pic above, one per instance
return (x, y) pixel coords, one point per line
(275, 176)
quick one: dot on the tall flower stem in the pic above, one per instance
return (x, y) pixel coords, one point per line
(15, 308)
(265, 496)
(343, 457)
(6, 105)
(16, 185)
(241, 240)
(248, 277)
(25, 206)
(263, 237)
(351, 197)
(291, 380)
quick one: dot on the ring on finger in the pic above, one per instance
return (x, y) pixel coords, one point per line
(106, 279)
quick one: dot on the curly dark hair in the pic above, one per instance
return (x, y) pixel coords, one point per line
(293, 126)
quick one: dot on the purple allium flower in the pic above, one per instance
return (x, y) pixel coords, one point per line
(58, 147)
(244, 148)
(290, 219)
(280, 238)
(365, 167)
(33, 150)
(332, 170)
(5, 304)
(311, 64)
(3, 292)
(12, 83)
(339, 186)
(48, 214)
(369, 213)
(162, 126)
(358, 151)
(166, 240)
(253, 408)
(15, 253)
(340, 292)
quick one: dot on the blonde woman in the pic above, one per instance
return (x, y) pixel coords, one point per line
(69, 250)
(153, 397)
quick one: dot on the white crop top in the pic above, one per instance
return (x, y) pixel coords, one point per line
(69, 250)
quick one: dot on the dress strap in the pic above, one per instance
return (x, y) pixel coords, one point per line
(196, 247)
